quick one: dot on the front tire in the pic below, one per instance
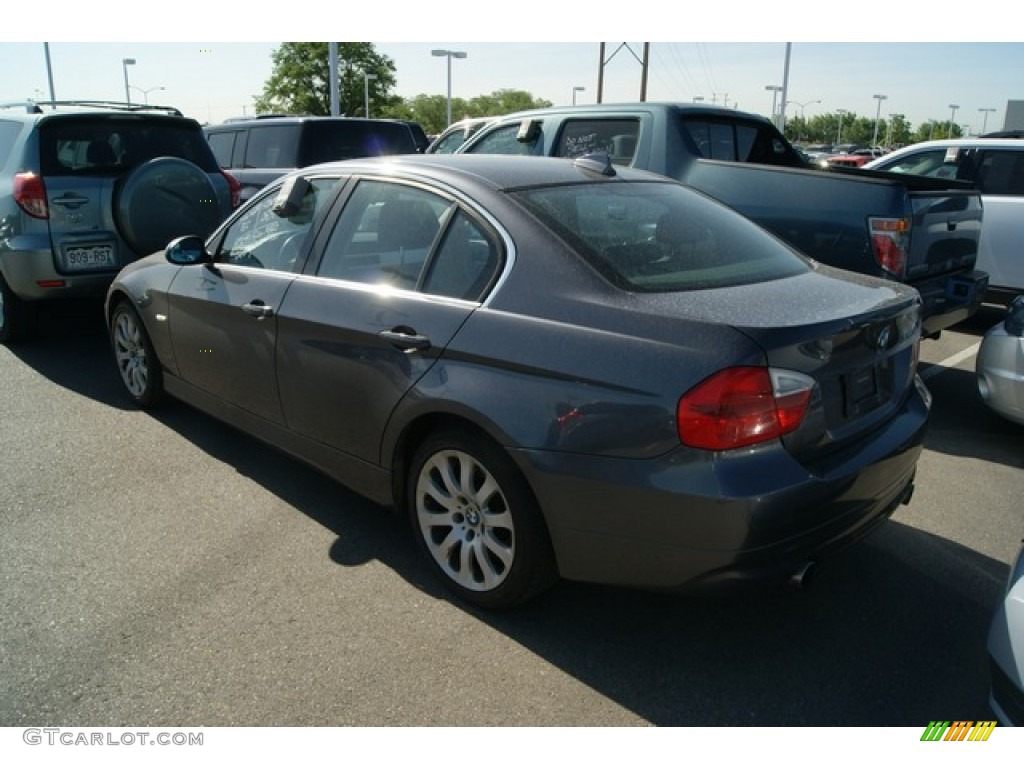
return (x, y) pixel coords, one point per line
(136, 361)
(477, 521)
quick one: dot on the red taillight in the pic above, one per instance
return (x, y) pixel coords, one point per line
(235, 187)
(743, 406)
(890, 237)
(30, 195)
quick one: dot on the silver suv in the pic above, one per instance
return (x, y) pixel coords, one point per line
(86, 188)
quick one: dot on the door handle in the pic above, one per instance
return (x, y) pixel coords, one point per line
(406, 339)
(256, 308)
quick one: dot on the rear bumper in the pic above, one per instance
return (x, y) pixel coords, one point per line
(693, 519)
(32, 276)
(946, 301)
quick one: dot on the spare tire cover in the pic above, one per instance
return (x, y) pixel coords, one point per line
(162, 199)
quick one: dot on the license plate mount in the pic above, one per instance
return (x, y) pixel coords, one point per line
(86, 258)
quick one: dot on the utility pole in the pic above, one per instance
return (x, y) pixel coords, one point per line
(644, 66)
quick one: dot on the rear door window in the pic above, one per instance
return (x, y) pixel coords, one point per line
(272, 146)
(326, 141)
(740, 142)
(616, 137)
(223, 145)
(1000, 172)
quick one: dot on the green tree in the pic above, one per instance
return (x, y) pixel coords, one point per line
(431, 111)
(300, 80)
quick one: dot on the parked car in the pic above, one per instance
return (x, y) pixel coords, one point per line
(996, 167)
(1006, 650)
(917, 231)
(258, 150)
(87, 187)
(456, 134)
(856, 158)
(1000, 365)
(554, 367)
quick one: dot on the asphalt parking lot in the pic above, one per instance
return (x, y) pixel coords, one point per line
(166, 570)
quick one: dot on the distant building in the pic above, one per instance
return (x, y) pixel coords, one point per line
(1014, 116)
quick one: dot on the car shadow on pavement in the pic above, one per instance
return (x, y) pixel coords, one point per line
(965, 426)
(890, 633)
(70, 348)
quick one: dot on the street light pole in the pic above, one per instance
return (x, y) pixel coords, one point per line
(146, 91)
(125, 63)
(576, 89)
(878, 114)
(839, 130)
(984, 124)
(803, 105)
(366, 93)
(952, 119)
(776, 90)
(449, 55)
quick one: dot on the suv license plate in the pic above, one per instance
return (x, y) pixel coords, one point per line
(89, 257)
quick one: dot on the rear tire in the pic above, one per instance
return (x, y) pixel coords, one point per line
(477, 521)
(17, 317)
(136, 360)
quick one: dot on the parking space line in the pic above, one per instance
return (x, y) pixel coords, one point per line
(936, 368)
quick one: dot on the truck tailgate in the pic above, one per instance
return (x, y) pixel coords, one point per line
(945, 233)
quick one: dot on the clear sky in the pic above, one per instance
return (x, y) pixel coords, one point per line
(212, 80)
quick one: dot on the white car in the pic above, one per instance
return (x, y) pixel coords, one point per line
(1000, 365)
(1006, 650)
(996, 166)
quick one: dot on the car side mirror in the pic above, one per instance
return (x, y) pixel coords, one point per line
(290, 196)
(190, 249)
(529, 130)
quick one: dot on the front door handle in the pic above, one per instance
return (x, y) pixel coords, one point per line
(256, 308)
(406, 339)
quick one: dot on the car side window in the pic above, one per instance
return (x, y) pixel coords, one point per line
(223, 146)
(264, 238)
(1001, 172)
(503, 141)
(933, 162)
(466, 262)
(272, 146)
(616, 137)
(384, 235)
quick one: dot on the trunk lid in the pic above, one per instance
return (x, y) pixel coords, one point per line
(858, 339)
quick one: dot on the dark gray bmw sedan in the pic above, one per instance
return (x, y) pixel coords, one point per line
(555, 368)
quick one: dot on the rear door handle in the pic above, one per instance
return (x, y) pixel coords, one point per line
(256, 308)
(406, 339)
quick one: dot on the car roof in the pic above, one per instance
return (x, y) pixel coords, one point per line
(493, 171)
(970, 141)
(234, 122)
(633, 106)
(975, 142)
(33, 110)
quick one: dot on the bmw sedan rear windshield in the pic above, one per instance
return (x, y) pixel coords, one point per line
(650, 237)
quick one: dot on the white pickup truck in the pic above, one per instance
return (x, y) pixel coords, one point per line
(996, 166)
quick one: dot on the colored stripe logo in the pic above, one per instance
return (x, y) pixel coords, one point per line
(959, 730)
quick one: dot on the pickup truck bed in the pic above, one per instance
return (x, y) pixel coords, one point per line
(917, 231)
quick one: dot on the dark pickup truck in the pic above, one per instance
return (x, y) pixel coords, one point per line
(919, 231)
